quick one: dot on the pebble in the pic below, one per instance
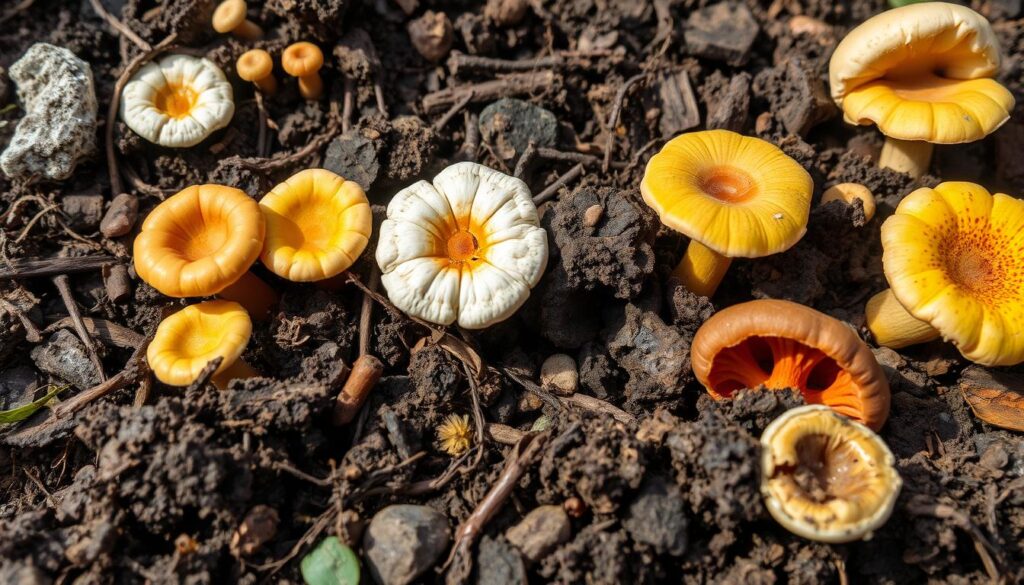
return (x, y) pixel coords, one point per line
(59, 127)
(257, 528)
(17, 387)
(679, 111)
(807, 101)
(84, 212)
(540, 532)
(559, 374)
(117, 283)
(64, 356)
(506, 12)
(120, 216)
(353, 156)
(404, 541)
(592, 216)
(727, 102)
(432, 35)
(498, 563)
(658, 517)
(722, 32)
(509, 125)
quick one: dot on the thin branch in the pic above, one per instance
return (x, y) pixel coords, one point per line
(120, 27)
(64, 286)
(552, 190)
(452, 111)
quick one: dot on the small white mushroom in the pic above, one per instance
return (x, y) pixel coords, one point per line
(558, 373)
(178, 101)
(467, 248)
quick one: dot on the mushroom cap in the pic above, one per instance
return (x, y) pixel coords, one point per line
(855, 483)
(317, 225)
(954, 257)
(785, 345)
(468, 247)
(178, 101)
(739, 196)
(189, 339)
(199, 241)
(922, 72)
(301, 59)
(228, 15)
(254, 65)
(848, 193)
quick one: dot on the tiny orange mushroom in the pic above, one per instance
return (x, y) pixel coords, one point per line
(257, 66)
(304, 60)
(202, 242)
(230, 17)
(778, 345)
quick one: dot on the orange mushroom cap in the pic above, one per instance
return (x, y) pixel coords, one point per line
(229, 15)
(254, 65)
(301, 59)
(779, 344)
(188, 340)
(199, 241)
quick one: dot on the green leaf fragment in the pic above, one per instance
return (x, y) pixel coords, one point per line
(330, 563)
(22, 412)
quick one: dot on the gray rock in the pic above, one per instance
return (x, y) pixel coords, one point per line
(59, 127)
(509, 125)
(353, 157)
(498, 563)
(17, 387)
(658, 517)
(403, 541)
(540, 532)
(83, 211)
(65, 357)
(722, 32)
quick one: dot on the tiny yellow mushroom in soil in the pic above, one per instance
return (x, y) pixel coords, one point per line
(924, 74)
(304, 60)
(850, 192)
(257, 66)
(188, 340)
(825, 477)
(734, 196)
(317, 226)
(778, 345)
(230, 17)
(202, 242)
(954, 259)
(455, 434)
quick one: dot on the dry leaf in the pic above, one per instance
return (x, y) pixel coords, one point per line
(995, 397)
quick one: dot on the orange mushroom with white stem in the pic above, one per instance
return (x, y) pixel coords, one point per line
(304, 60)
(201, 242)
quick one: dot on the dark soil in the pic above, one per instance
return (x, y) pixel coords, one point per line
(150, 483)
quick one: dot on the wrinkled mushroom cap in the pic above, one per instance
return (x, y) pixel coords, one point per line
(317, 225)
(786, 345)
(228, 15)
(178, 101)
(922, 72)
(954, 257)
(189, 339)
(199, 241)
(825, 477)
(467, 248)
(301, 59)
(254, 65)
(739, 196)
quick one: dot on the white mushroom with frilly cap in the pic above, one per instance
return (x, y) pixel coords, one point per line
(178, 101)
(467, 248)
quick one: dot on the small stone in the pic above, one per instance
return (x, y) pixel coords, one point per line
(506, 12)
(117, 282)
(677, 103)
(120, 216)
(257, 528)
(722, 32)
(84, 212)
(540, 532)
(808, 103)
(509, 125)
(353, 157)
(558, 374)
(995, 457)
(64, 356)
(17, 387)
(592, 216)
(727, 101)
(59, 127)
(498, 563)
(432, 35)
(404, 541)
(658, 517)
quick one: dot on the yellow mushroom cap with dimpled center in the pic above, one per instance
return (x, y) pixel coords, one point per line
(954, 257)
(922, 72)
(317, 225)
(189, 339)
(739, 196)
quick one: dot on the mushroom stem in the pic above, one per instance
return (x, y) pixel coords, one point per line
(248, 30)
(310, 86)
(239, 369)
(252, 293)
(267, 85)
(892, 325)
(906, 156)
(702, 269)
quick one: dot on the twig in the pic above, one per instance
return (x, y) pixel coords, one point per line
(613, 119)
(366, 372)
(366, 312)
(459, 62)
(455, 109)
(141, 186)
(552, 190)
(108, 332)
(64, 287)
(78, 401)
(922, 506)
(346, 109)
(599, 406)
(261, 137)
(39, 483)
(120, 27)
(53, 266)
(525, 159)
(32, 333)
(18, 9)
(503, 434)
(282, 161)
(515, 84)
(378, 92)
(32, 222)
(471, 144)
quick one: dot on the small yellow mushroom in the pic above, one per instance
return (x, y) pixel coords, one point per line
(230, 17)
(848, 193)
(257, 66)
(190, 339)
(825, 477)
(304, 60)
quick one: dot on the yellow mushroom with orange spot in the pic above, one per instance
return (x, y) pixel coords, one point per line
(178, 101)
(230, 17)
(188, 340)
(954, 259)
(734, 196)
(304, 60)
(317, 226)
(924, 74)
(777, 345)
(201, 242)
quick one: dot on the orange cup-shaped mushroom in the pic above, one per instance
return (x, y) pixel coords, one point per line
(202, 242)
(257, 66)
(190, 339)
(778, 345)
(304, 60)
(230, 17)
(317, 226)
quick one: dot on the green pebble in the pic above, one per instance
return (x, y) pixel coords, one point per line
(330, 563)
